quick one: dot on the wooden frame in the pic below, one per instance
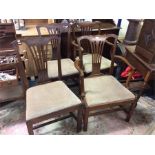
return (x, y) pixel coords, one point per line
(38, 49)
(69, 111)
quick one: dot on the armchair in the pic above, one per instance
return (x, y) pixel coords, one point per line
(103, 92)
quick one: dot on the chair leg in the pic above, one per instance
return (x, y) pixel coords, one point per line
(30, 128)
(132, 107)
(79, 119)
(85, 121)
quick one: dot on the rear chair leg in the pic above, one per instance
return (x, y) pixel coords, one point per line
(85, 121)
(132, 107)
(30, 128)
(79, 119)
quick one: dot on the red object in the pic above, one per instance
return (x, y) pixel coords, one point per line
(126, 73)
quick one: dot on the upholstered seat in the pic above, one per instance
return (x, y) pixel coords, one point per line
(48, 98)
(87, 63)
(67, 65)
(104, 90)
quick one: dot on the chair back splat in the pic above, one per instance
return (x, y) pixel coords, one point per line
(66, 68)
(83, 29)
(39, 48)
(96, 45)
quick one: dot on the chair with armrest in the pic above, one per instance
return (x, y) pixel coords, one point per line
(103, 92)
(83, 29)
(43, 101)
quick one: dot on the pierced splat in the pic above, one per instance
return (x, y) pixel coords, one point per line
(97, 44)
(38, 48)
(53, 29)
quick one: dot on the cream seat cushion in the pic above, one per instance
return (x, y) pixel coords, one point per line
(87, 63)
(104, 90)
(67, 66)
(48, 98)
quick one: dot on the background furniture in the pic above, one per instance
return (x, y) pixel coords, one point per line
(66, 49)
(66, 66)
(91, 28)
(12, 89)
(142, 56)
(7, 35)
(82, 29)
(10, 62)
(133, 31)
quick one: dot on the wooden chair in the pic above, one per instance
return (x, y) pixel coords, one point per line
(66, 65)
(43, 101)
(53, 29)
(87, 28)
(82, 29)
(103, 92)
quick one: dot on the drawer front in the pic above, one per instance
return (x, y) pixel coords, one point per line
(4, 84)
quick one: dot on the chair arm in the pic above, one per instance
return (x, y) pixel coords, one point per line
(127, 63)
(75, 44)
(121, 58)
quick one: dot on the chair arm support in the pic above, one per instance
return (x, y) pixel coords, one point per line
(77, 66)
(120, 58)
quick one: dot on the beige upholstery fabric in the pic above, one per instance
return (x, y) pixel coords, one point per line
(87, 63)
(105, 89)
(48, 98)
(67, 66)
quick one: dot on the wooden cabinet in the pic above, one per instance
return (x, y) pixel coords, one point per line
(142, 56)
(10, 62)
(7, 35)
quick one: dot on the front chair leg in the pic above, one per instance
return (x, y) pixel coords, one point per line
(85, 121)
(79, 119)
(132, 107)
(30, 128)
